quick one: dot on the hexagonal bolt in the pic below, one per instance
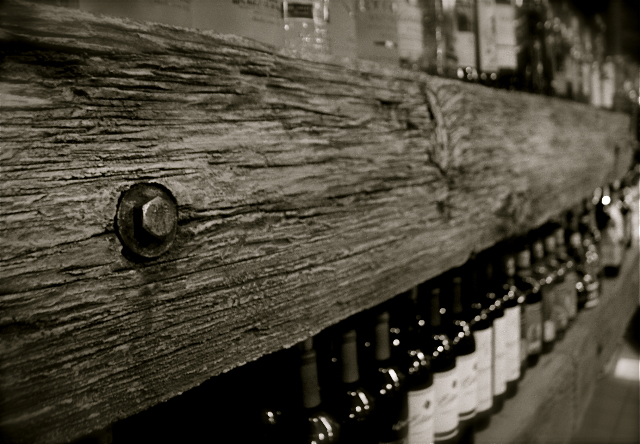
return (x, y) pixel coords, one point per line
(157, 218)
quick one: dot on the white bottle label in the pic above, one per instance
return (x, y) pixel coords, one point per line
(421, 415)
(512, 355)
(524, 344)
(446, 418)
(549, 331)
(593, 294)
(484, 350)
(467, 366)
(533, 318)
(548, 324)
(499, 355)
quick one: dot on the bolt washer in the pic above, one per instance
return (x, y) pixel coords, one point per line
(129, 225)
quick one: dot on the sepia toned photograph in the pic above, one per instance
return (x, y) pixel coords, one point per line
(320, 221)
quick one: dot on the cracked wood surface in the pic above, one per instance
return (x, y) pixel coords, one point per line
(308, 190)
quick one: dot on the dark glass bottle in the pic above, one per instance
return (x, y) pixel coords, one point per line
(482, 328)
(558, 269)
(611, 225)
(354, 406)
(315, 425)
(443, 366)
(532, 307)
(570, 274)
(388, 386)
(417, 366)
(626, 205)
(496, 310)
(533, 61)
(273, 403)
(506, 43)
(512, 300)
(592, 237)
(464, 346)
(546, 279)
(588, 285)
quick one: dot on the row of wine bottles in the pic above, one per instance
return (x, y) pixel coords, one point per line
(539, 46)
(435, 363)
(432, 364)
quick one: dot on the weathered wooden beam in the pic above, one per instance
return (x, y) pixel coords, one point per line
(307, 190)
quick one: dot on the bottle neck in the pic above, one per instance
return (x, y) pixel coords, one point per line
(550, 244)
(383, 346)
(457, 296)
(309, 376)
(509, 266)
(523, 259)
(349, 355)
(436, 317)
(559, 235)
(538, 250)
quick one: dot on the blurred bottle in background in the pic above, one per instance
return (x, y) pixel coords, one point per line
(377, 31)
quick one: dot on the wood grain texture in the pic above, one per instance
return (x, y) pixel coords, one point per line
(308, 190)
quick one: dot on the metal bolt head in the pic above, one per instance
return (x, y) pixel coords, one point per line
(146, 220)
(157, 218)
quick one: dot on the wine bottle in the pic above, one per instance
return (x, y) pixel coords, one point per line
(627, 210)
(305, 27)
(445, 375)
(558, 269)
(532, 307)
(588, 286)
(512, 300)
(388, 386)
(315, 425)
(496, 310)
(570, 274)
(486, 38)
(482, 328)
(354, 406)
(341, 30)
(434, 51)
(465, 39)
(410, 33)
(464, 347)
(377, 31)
(417, 367)
(506, 44)
(274, 405)
(546, 279)
(611, 225)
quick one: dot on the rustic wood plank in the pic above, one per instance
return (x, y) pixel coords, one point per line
(308, 190)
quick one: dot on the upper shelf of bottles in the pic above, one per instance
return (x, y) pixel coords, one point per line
(539, 46)
(307, 191)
